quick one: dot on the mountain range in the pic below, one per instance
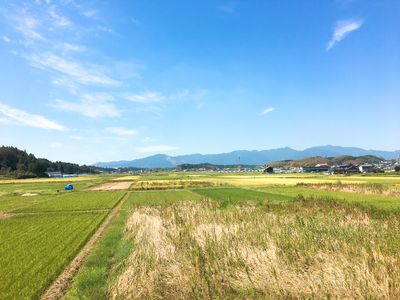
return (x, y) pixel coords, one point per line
(246, 157)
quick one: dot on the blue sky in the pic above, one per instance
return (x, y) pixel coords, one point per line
(88, 81)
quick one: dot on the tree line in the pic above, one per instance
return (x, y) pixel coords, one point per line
(18, 163)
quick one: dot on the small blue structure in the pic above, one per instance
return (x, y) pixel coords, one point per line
(69, 187)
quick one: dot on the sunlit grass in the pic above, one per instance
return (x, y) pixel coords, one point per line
(41, 180)
(302, 249)
(72, 201)
(35, 248)
(387, 202)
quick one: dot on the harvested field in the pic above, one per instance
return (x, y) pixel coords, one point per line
(260, 180)
(298, 250)
(357, 188)
(169, 184)
(380, 201)
(44, 180)
(126, 178)
(113, 186)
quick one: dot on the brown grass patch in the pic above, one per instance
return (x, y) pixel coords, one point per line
(196, 250)
(169, 184)
(112, 186)
(5, 216)
(357, 188)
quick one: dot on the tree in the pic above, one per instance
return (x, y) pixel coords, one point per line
(19, 164)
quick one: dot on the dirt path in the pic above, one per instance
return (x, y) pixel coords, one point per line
(112, 186)
(5, 216)
(61, 285)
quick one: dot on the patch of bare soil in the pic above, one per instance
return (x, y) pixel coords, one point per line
(61, 285)
(112, 186)
(5, 216)
(29, 194)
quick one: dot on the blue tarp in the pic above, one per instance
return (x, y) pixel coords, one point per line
(69, 187)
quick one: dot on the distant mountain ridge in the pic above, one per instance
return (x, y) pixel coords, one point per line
(246, 157)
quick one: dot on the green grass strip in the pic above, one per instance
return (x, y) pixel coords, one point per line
(92, 280)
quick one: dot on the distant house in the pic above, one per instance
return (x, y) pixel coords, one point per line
(70, 175)
(367, 168)
(268, 170)
(345, 169)
(319, 168)
(57, 174)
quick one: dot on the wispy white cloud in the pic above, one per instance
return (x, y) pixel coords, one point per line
(71, 47)
(155, 149)
(151, 97)
(179, 95)
(40, 2)
(6, 39)
(76, 137)
(341, 30)
(267, 110)
(74, 70)
(17, 116)
(91, 105)
(4, 121)
(105, 29)
(127, 70)
(45, 44)
(145, 98)
(66, 83)
(147, 139)
(90, 13)
(344, 3)
(122, 132)
(28, 27)
(200, 105)
(228, 7)
(135, 21)
(56, 145)
(57, 18)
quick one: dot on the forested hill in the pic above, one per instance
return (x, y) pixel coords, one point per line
(19, 164)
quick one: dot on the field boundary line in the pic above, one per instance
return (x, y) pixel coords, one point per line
(63, 282)
(55, 212)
